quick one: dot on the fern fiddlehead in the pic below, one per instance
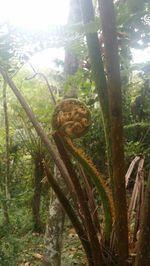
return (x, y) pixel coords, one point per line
(71, 119)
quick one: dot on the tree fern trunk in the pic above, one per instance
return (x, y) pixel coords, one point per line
(98, 73)
(116, 126)
(54, 230)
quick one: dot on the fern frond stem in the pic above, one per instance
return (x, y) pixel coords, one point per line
(92, 204)
(91, 231)
(99, 182)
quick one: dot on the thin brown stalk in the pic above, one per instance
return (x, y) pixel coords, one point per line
(91, 201)
(50, 87)
(95, 245)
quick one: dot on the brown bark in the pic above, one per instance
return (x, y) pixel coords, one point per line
(98, 73)
(114, 137)
(114, 90)
(143, 247)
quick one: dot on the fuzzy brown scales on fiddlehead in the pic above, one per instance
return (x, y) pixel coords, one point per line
(71, 118)
(80, 153)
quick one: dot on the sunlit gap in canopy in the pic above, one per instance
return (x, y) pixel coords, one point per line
(34, 14)
(140, 56)
(42, 15)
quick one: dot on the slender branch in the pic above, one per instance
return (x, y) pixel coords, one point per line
(50, 87)
(38, 128)
(59, 163)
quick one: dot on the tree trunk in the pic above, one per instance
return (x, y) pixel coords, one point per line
(38, 174)
(107, 15)
(98, 73)
(110, 98)
(54, 230)
(53, 234)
